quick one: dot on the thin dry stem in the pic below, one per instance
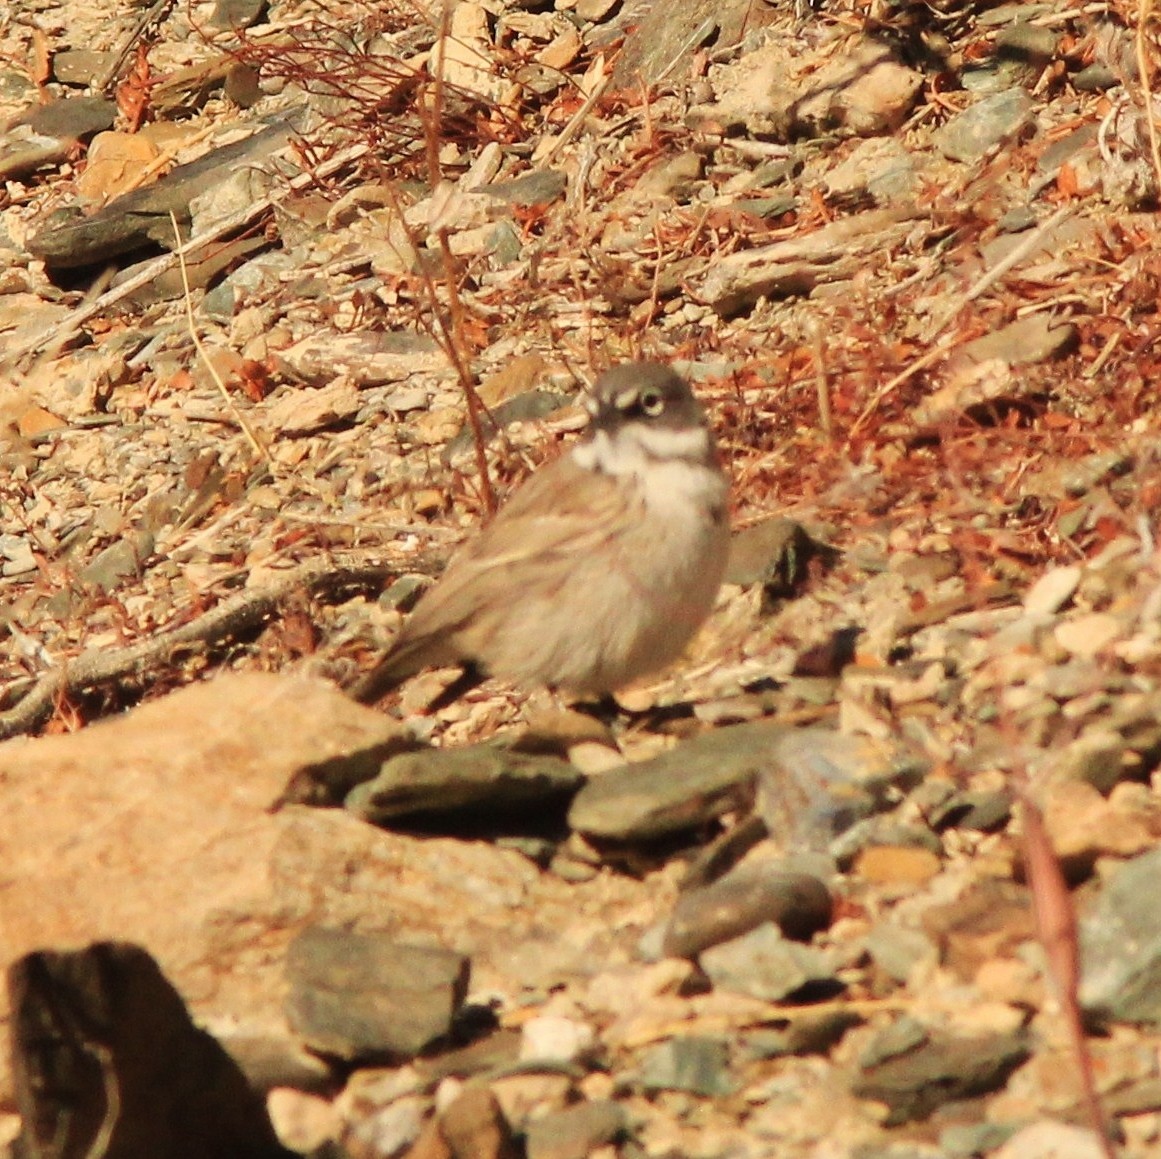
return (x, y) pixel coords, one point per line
(821, 384)
(1057, 930)
(54, 336)
(1013, 259)
(892, 384)
(1143, 73)
(251, 436)
(447, 326)
(104, 82)
(578, 118)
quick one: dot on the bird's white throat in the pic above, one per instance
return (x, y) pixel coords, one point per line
(635, 448)
(674, 468)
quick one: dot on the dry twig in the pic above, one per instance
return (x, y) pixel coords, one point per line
(1056, 927)
(1143, 75)
(258, 446)
(234, 617)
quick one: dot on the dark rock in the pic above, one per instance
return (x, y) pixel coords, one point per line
(914, 1071)
(774, 553)
(1026, 41)
(72, 119)
(107, 1061)
(763, 964)
(985, 124)
(679, 790)
(666, 35)
(483, 781)
(808, 1032)
(827, 660)
(797, 903)
(904, 1034)
(527, 406)
(541, 187)
(81, 66)
(366, 996)
(981, 812)
(237, 13)
(142, 217)
(1120, 946)
(119, 562)
(697, 1065)
(1096, 78)
(329, 781)
(243, 86)
(808, 780)
(498, 1051)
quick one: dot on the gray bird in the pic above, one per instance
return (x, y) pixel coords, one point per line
(600, 568)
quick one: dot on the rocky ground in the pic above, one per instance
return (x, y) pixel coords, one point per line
(871, 872)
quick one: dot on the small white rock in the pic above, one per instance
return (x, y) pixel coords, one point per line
(556, 1038)
(1052, 590)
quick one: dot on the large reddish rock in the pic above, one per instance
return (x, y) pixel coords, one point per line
(156, 828)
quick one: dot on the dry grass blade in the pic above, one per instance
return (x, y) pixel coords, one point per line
(446, 325)
(251, 435)
(1056, 927)
(1144, 73)
(55, 336)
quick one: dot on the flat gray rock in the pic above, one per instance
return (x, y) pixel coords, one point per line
(915, 1071)
(764, 964)
(985, 124)
(485, 779)
(368, 996)
(1120, 946)
(142, 217)
(679, 790)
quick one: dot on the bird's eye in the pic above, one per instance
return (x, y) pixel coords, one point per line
(652, 402)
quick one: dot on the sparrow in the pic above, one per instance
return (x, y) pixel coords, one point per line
(600, 567)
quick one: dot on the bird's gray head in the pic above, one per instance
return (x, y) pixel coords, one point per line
(643, 392)
(641, 413)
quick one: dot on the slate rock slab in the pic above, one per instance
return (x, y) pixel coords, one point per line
(796, 902)
(142, 217)
(368, 996)
(680, 789)
(483, 779)
(914, 1071)
(1120, 946)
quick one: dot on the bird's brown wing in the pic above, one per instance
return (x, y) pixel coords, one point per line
(562, 512)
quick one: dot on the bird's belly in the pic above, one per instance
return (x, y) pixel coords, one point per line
(613, 617)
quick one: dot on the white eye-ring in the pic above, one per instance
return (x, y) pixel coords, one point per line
(652, 402)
